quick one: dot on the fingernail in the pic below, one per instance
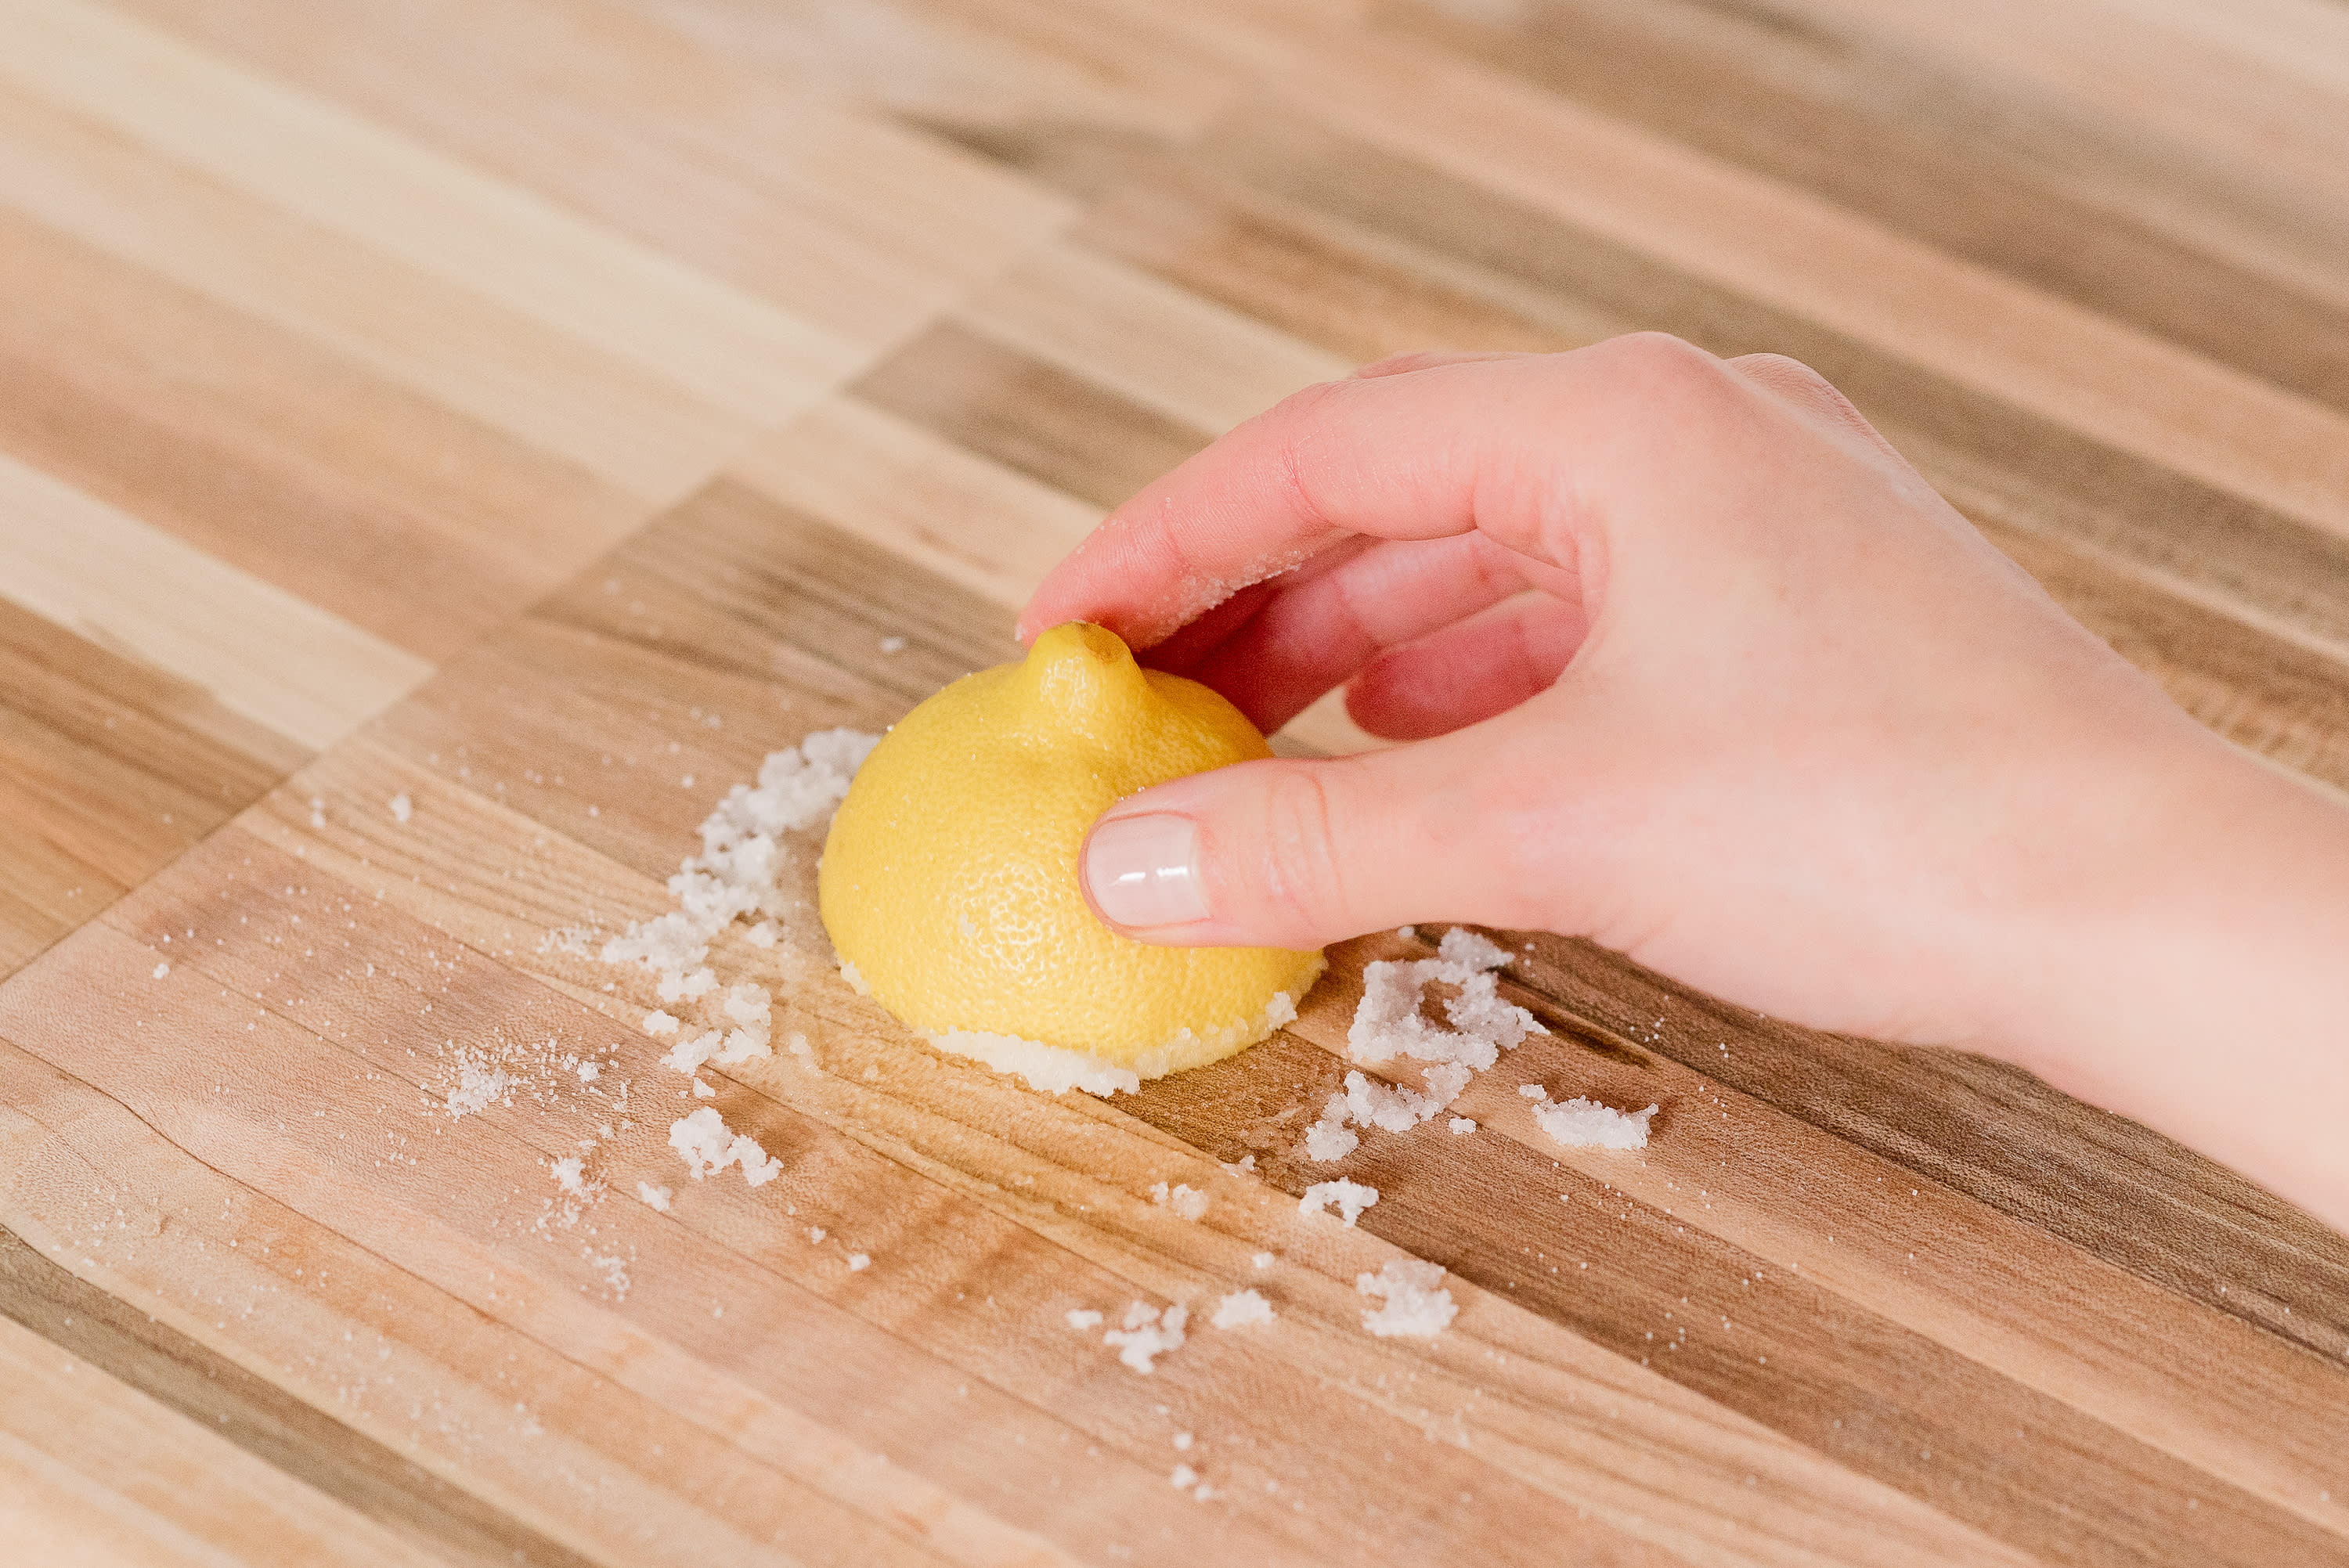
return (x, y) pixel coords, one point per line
(1143, 871)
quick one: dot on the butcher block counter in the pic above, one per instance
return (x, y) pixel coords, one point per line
(444, 446)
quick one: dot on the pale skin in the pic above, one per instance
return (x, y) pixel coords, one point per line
(1685, 659)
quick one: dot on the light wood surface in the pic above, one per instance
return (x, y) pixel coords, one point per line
(525, 408)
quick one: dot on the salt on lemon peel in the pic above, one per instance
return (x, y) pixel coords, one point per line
(949, 881)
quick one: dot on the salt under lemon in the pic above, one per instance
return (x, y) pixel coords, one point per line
(950, 880)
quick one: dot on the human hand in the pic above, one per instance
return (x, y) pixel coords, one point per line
(1689, 662)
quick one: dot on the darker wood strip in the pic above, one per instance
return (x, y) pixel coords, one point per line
(108, 768)
(1995, 173)
(1037, 418)
(260, 1418)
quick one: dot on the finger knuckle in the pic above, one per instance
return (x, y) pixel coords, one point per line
(1301, 869)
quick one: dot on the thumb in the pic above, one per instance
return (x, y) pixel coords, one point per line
(1300, 854)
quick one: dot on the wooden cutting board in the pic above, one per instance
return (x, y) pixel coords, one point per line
(1851, 1304)
(545, 410)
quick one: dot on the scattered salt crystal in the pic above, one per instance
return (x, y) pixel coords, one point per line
(798, 1046)
(1351, 1198)
(1416, 1306)
(567, 1175)
(1585, 1124)
(1185, 1476)
(318, 812)
(161, 970)
(893, 644)
(1244, 1166)
(857, 1260)
(1463, 1124)
(686, 782)
(1083, 1317)
(589, 1072)
(679, 986)
(703, 1092)
(1187, 1201)
(1328, 1139)
(659, 1023)
(1262, 1259)
(1148, 1333)
(1408, 932)
(1182, 1443)
(401, 809)
(1048, 1069)
(707, 1145)
(687, 1055)
(762, 934)
(479, 1084)
(1533, 1091)
(816, 1232)
(1240, 1309)
(657, 1197)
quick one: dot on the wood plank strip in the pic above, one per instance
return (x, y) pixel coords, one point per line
(969, 521)
(315, 1490)
(1033, 417)
(83, 564)
(107, 769)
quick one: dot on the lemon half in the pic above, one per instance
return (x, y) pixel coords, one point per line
(950, 880)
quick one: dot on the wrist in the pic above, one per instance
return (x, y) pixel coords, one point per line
(2194, 975)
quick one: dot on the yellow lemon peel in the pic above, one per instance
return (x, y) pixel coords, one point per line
(950, 880)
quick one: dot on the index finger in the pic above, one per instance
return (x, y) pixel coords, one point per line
(1506, 446)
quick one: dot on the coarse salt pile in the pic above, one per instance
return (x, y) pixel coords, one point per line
(1351, 1198)
(1148, 1333)
(1387, 1024)
(1581, 1123)
(1417, 1307)
(709, 1146)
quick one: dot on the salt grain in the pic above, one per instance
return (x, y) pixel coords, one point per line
(1187, 1201)
(1351, 1198)
(1463, 1124)
(401, 809)
(161, 970)
(707, 1145)
(1581, 1123)
(858, 1260)
(659, 1023)
(1241, 1309)
(1083, 1317)
(1416, 1307)
(656, 1196)
(1148, 1333)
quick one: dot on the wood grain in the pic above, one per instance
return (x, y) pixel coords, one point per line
(545, 410)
